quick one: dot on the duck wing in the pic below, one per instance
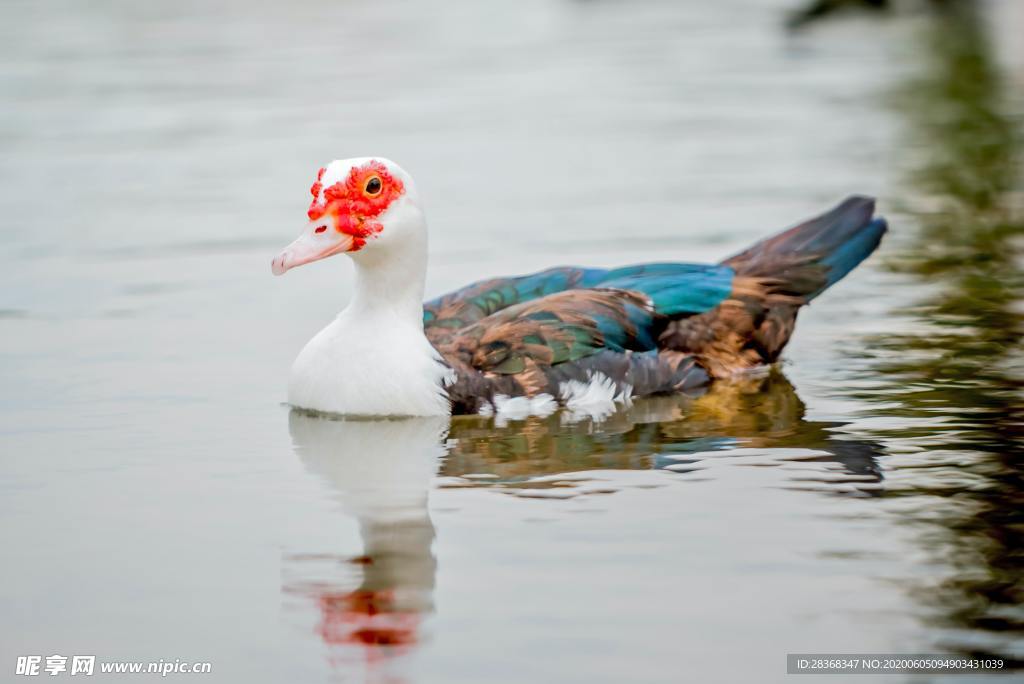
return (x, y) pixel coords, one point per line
(647, 328)
(673, 289)
(597, 341)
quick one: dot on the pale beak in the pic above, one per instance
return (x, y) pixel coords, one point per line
(311, 246)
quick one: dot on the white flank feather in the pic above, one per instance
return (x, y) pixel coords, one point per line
(598, 398)
(508, 408)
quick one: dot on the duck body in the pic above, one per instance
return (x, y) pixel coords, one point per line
(584, 338)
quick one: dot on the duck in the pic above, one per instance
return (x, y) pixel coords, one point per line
(575, 337)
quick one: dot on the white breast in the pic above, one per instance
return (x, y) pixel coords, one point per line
(362, 366)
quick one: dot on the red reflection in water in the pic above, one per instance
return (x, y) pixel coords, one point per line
(366, 618)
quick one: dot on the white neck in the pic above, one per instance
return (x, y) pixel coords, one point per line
(391, 281)
(374, 359)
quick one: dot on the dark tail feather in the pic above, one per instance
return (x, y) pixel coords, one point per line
(815, 255)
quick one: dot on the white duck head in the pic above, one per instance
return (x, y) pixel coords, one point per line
(365, 207)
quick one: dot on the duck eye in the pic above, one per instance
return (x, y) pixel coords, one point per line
(373, 186)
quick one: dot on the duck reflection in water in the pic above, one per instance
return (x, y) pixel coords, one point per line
(381, 472)
(755, 412)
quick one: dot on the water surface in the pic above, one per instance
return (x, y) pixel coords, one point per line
(159, 501)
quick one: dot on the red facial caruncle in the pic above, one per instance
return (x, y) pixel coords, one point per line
(345, 214)
(354, 203)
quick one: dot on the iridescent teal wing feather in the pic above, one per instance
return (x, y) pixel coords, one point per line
(673, 289)
(474, 302)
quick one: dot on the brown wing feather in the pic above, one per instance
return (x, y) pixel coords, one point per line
(515, 351)
(748, 329)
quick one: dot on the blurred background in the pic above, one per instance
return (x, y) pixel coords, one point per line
(158, 500)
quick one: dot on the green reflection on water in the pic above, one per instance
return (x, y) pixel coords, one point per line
(956, 381)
